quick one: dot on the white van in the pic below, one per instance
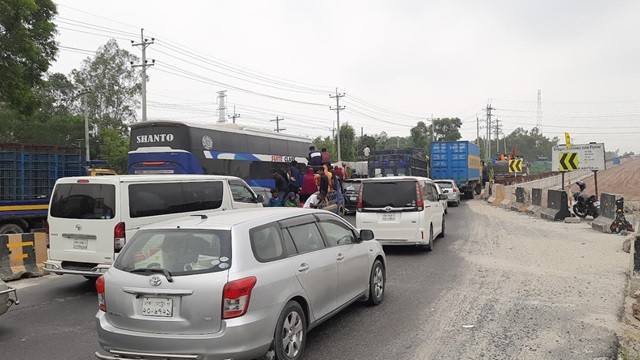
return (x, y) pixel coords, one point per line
(90, 218)
(401, 210)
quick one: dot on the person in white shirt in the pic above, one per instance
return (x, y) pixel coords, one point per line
(315, 200)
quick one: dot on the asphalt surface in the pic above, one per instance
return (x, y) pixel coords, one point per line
(483, 293)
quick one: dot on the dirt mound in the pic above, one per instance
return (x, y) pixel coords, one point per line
(623, 179)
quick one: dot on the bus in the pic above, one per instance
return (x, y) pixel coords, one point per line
(176, 147)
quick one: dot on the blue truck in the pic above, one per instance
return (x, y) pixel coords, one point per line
(27, 176)
(459, 161)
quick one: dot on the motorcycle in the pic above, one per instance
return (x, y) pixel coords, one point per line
(585, 205)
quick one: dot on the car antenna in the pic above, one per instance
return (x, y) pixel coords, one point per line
(202, 216)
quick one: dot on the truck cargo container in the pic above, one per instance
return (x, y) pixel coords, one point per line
(459, 161)
(398, 162)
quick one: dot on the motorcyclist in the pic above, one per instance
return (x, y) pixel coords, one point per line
(581, 185)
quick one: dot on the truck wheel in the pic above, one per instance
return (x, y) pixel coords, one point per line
(11, 229)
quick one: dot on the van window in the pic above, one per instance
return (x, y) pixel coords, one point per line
(84, 201)
(171, 198)
(444, 184)
(241, 192)
(181, 252)
(430, 192)
(380, 194)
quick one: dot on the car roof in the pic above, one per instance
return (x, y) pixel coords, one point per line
(113, 179)
(399, 178)
(445, 180)
(230, 218)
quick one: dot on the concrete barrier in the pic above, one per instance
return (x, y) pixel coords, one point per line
(486, 192)
(536, 202)
(521, 203)
(557, 206)
(22, 255)
(611, 219)
(509, 196)
(498, 194)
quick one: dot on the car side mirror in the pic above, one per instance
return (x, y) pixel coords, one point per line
(260, 198)
(442, 197)
(366, 235)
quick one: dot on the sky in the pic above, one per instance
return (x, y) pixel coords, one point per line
(397, 62)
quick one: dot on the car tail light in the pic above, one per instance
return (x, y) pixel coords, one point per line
(359, 203)
(100, 290)
(46, 230)
(153, 163)
(119, 237)
(236, 296)
(455, 189)
(420, 202)
(82, 181)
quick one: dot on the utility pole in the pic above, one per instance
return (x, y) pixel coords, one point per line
(234, 116)
(277, 120)
(222, 108)
(86, 127)
(488, 144)
(144, 65)
(337, 109)
(477, 131)
(433, 130)
(539, 118)
(361, 131)
(497, 135)
(333, 131)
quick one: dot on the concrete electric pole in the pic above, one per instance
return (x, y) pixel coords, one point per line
(487, 147)
(144, 65)
(234, 116)
(337, 109)
(277, 120)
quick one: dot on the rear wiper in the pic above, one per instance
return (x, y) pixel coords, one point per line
(166, 272)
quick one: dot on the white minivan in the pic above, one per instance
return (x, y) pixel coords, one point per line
(401, 210)
(90, 218)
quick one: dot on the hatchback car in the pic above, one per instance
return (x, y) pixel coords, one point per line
(450, 188)
(443, 199)
(402, 210)
(351, 190)
(234, 285)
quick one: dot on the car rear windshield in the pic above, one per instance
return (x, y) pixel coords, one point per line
(84, 201)
(352, 186)
(380, 194)
(180, 252)
(445, 184)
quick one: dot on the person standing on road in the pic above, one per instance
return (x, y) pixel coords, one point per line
(308, 185)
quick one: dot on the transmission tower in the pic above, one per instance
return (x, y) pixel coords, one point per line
(222, 107)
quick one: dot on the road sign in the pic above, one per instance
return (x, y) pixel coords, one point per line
(515, 165)
(567, 140)
(588, 157)
(569, 161)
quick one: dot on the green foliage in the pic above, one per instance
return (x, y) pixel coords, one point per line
(528, 144)
(114, 86)
(347, 142)
(420, 136)
(113, 146)
(326, 143)
(60, 129)
(365, 141)
(447, 129)
(27, 48)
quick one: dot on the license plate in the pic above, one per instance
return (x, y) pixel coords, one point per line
(353, 198)
(388, 217)
(80, 244)
(153, 306)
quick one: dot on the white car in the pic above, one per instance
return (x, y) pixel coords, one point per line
(401, 210)
(444, 202)
(450, 188)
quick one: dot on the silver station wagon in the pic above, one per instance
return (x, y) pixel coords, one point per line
(238, 284)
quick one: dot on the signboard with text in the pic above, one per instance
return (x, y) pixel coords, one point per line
(578, 157)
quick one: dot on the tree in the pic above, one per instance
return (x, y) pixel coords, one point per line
(326, 143)
(57, 95)
(347, 142)
(365, 141)
(531, 145)
(27, 48)
(420, 135)
(114, 147)
(447, 129)
(114, 87)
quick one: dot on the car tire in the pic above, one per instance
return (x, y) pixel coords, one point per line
(441, 235)
(429, 246)
(377, 282)
(291, 332)
(11, 229)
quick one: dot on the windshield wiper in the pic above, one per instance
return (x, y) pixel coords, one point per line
(166, 272)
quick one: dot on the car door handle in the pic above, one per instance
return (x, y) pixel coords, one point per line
(340, 257)
(303, 267)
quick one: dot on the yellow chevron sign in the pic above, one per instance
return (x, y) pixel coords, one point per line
(568, 161)
(515, 165)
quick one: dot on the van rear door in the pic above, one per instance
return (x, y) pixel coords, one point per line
(82, 218)
(391, 208)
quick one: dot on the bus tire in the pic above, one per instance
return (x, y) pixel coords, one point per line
(11, 228)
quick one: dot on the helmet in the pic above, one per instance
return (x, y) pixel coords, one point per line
(581, 185)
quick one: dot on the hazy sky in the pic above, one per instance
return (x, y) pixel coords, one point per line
(397, 61)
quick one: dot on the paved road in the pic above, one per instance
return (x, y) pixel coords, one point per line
(487, 291)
